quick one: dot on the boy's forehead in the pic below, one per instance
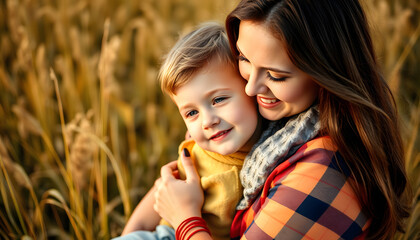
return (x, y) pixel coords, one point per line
(214, 76)
(179, 104)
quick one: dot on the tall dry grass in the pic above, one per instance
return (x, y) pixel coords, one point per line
(396, 32)
(84, 127)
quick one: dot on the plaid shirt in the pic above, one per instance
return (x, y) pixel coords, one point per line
(305, 197)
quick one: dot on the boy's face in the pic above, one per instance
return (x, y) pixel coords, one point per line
(219, 116)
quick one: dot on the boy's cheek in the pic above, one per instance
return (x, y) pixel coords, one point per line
(192, 132)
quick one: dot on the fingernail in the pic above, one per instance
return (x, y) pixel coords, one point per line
(186, 152)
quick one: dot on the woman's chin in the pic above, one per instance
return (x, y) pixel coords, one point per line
(271, 114)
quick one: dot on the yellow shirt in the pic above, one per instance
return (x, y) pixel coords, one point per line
(221, 185)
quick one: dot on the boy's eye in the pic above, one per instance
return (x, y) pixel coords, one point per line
(191, 113)
(282, 79)
(219, 99)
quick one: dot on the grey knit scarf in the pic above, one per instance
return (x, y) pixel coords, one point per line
(277, 143)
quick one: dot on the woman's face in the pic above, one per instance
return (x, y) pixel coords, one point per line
(282, 90)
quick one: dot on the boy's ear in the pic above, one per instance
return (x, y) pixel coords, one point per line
(187, 135)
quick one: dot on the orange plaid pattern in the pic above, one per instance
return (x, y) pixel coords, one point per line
(308, 196)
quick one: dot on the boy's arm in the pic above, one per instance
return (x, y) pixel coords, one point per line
(144, 217)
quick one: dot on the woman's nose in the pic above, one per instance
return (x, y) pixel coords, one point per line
(255, 84)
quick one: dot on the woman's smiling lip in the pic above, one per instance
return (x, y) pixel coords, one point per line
(220, 135)
(268, 102)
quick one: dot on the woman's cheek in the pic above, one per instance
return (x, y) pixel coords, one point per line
(288, 93)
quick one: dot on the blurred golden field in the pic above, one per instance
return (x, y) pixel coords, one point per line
(84, 127)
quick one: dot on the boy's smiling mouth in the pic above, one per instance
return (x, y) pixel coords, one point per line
(220, 135)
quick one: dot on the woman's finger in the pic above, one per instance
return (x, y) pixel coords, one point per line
(157, 182)
(166, 172)
(190, 171)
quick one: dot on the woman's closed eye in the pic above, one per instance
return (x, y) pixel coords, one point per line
(242, 58)
(275, 79)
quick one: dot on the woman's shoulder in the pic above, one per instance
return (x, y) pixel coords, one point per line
(320, 185)
(318, 161)
(318, 152)
(323, 142)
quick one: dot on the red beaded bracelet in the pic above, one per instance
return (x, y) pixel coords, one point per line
(189, 224)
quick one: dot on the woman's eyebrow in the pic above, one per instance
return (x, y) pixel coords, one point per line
(267, 68)
(277, 70)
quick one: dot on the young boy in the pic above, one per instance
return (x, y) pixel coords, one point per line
(201, 76)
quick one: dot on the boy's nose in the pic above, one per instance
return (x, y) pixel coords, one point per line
(210, 120)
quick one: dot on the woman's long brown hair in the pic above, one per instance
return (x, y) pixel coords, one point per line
(330, 40)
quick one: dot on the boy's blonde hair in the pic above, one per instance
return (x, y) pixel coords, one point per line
(191, 53)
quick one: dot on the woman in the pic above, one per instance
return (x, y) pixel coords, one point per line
(331, 164)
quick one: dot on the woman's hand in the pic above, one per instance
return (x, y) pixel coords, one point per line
(177, 200)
